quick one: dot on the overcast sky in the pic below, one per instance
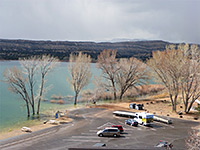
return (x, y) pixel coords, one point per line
(101, 20)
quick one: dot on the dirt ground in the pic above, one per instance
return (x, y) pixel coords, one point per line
(160, 107)
(15, 132)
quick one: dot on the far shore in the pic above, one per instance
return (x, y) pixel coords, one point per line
(157, 107)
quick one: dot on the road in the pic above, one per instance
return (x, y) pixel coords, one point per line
(81, 133)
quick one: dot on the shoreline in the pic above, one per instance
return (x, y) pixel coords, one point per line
(110, 106)
(38, 125)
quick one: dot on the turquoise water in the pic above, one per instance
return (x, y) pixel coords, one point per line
(12, 109)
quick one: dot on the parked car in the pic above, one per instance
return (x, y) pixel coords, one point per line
(132, 106)
(139, 106)
(119, 127)
(131, 122)
(109, 132)
(164, 144)
(136, 106)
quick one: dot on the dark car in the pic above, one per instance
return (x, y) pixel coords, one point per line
(131, 122)
(119, 127)
(132, 106)
(136, 106)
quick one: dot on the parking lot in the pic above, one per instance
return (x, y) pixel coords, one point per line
(81, 133)
(132, 137)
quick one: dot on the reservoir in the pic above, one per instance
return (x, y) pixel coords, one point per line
(12, 107)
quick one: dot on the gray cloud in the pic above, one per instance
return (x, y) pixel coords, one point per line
(99, 20)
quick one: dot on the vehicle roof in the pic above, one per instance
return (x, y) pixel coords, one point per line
(117, 125)
(144, 113)
(110, 128)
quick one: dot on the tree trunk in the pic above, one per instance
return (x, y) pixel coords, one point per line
(186, 105)
(75, 99)
(190, 106)
(33, 103)
(114, 90)
(174, 107)
(121, 95)
(33, 108)
(41, 91)
(173, 102)
(175, 99)
(28, 111)
(115, 95)
(38, 109)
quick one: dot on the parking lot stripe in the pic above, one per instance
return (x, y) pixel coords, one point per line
(88, 133)
(106, 124)
(81, 140)
(128, 129)
(84, 137)
(93, 130)
(152, 129)
(165, 124)
(121, 122)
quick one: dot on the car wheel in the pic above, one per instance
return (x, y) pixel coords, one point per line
(101, 135)
(115, 135)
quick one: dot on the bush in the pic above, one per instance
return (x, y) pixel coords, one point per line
(60, 101)
(52, 101)
(144, 90)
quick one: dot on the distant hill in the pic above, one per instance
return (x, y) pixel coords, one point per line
(15, 49)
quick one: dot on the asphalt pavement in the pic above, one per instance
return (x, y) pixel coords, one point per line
(81, 134)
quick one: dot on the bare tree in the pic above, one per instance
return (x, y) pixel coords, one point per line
(29, 69)
(17, 84)
(79, 69)
(190, 81)
(167, 68)
(108, 64)
(24, 83)
(100, 87)
(46, 63)
(131, 72)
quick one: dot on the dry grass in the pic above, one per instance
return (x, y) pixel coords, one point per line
(53, 101)
(161, 95)
(150, 89)
(57, 101)
(17, 131)
(131, 93)
(60, 101)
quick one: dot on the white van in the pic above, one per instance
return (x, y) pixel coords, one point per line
(144, 118)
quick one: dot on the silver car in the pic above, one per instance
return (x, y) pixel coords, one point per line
(109, 132)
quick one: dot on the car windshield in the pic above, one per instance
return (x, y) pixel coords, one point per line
(105, 131)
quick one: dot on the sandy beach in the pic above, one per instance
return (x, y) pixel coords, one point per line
(17, 131)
